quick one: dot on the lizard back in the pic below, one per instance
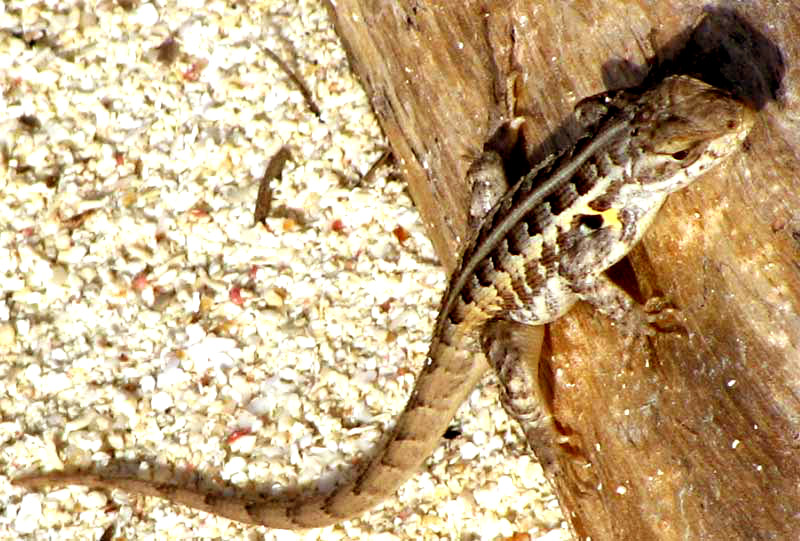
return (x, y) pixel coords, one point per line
(585, 208)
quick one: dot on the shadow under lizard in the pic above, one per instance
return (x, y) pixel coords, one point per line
(544, 246)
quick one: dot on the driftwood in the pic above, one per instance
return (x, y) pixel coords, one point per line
(691, 434)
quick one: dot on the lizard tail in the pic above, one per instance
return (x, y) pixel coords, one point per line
(448, 377)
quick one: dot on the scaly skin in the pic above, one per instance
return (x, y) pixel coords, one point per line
(542, 248)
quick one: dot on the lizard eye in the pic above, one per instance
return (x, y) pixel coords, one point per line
(681, 154)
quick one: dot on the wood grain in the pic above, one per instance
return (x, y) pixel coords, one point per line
(691, 434)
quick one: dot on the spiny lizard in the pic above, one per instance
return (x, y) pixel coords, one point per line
(543, 246)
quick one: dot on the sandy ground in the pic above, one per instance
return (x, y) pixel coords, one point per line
(144, 317)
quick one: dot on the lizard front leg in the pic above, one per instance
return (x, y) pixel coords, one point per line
(634, 319)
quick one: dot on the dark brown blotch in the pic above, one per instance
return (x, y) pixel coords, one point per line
(484, 272)
(517, 239)
(585, 177)
(548, 256)
(562, 198)
(533, 275)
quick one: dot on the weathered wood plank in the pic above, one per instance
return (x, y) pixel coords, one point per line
(689, 435)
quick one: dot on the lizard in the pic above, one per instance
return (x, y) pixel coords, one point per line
(541, 248)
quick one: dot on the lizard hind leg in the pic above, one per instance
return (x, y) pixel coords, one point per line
(513, 350)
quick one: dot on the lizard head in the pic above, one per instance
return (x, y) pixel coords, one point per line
(684, 128)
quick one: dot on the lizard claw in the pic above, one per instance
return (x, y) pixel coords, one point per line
(663, 317)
